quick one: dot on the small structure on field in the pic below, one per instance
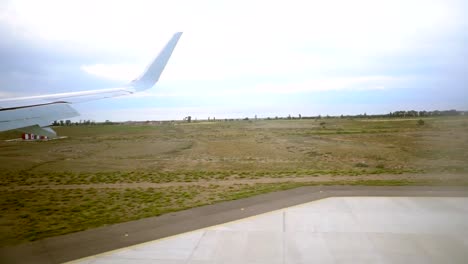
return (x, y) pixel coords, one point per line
(29, 136)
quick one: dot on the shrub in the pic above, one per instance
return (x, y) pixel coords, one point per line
(361, 165)
(380, 166)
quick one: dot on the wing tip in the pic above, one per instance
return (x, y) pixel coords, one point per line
(152, 73)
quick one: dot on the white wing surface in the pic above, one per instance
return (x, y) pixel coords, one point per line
(36, 113)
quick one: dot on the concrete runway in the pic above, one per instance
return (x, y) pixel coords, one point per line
(91, 242)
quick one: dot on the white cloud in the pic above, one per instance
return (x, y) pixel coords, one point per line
(364, 83)
(226, 39)
(244, 26)
(116, 72)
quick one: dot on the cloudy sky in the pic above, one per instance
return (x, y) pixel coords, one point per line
(240, 58)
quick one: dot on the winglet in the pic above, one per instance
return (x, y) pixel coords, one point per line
(154, 70)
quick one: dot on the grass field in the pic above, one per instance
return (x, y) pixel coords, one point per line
(107, 174)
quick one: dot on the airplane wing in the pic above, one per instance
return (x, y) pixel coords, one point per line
(36, 113)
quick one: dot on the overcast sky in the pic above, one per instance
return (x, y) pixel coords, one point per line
(240, 58)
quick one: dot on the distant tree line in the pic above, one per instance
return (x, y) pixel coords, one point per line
(80, 123)
(413, 113)
(189, 119)
(396, 114)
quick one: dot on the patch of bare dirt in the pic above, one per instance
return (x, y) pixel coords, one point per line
(317, 179)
